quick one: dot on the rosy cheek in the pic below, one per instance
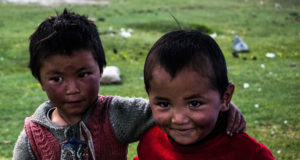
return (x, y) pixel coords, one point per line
(52, 92)
(95, 81)
(208, 122)
(161, 118)
(95, 88)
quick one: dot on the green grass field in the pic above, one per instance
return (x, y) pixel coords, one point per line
(271, 104)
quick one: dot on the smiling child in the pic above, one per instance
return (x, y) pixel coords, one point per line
(189, 93)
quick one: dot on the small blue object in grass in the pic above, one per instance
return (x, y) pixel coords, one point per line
(239, 45)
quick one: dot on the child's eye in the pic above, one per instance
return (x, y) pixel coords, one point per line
(56, 79)
(83, 74)
(164, 104)
(195, 104)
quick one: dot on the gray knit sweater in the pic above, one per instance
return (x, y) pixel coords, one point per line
(130, 117)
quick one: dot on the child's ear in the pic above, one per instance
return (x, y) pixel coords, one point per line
(227, 97)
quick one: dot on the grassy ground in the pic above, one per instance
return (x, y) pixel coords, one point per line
(271, 103)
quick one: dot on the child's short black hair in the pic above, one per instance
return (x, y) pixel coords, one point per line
(63, 34)
(180, 49)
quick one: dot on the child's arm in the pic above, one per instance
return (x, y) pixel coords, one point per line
(130, 117)
(22, 149)
(236, 121)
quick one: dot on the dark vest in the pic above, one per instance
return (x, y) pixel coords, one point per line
(107, 147)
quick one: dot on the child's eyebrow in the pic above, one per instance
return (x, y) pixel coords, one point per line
(82, 69)
(53, 73)
(85, 69)
(161, 98)
(193, 97)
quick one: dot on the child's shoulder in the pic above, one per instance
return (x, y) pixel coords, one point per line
(244, 143)
(245, 140)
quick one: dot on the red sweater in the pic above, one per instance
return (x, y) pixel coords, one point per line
(107, 147)
(155, 145)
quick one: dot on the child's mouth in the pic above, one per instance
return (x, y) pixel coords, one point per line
(73, 103)
(183, 131)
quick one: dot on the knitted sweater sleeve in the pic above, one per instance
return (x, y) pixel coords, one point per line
(22, 149)
(130, 117)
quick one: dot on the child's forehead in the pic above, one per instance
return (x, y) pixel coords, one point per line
(64, 56)
(72, 53)
(188, 71)
(186, 83)
(203, 69)
(206, 76)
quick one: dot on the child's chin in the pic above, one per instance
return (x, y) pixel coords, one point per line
(185, 141)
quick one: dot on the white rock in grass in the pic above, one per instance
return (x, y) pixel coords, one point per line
(214, 35)
(279, 151)
(125, 33)
(261, 2)
(272, 132)
(246, 85)
(277, 5)
(256, 105)
(270, 55)
(285, 122)
(111, 74)
(259, 89)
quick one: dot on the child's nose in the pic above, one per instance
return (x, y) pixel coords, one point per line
(71, 88)
(179, 117)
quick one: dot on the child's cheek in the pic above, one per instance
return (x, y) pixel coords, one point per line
(93, 85)
(55, 95)
(161, 119)
(51, 91)
(207, 123)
